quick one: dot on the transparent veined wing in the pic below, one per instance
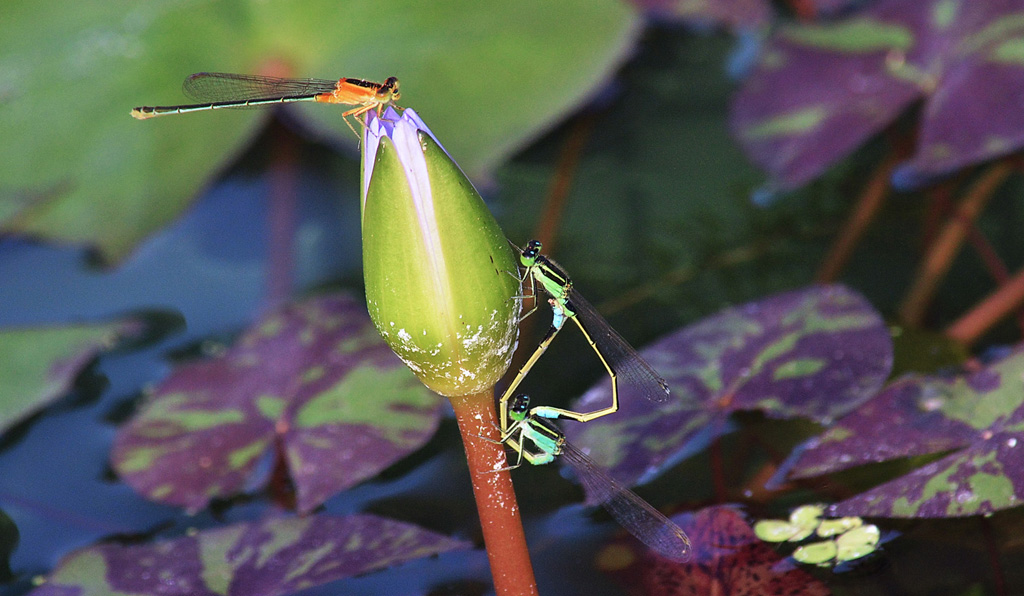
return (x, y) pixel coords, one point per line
(628, 365)
(639, 517)
(222, 86)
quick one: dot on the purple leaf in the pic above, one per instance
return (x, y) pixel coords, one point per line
(39, 364)
(865, 435)
(266, 558)
(314, 376)
(980, 414)
(814, 353)
(822, 90)
(728, 559)
(986, 477)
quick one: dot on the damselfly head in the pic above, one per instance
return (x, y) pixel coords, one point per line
(389, 90)
(530, 253)
(519, 406)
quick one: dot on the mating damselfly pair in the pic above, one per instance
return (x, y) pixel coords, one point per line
(529, 432)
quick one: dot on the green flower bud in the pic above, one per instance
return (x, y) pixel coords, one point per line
(441, 279)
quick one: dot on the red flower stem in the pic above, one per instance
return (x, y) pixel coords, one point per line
(495, 498)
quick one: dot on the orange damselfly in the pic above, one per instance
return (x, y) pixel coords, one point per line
(216, 90)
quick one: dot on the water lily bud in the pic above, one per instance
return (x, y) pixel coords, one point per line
(441, 279)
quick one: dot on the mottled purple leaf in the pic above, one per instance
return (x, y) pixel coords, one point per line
(866, 436)
(981, 414)
(728, 560)
(986, 477)
(266, 558)
(314, 377)
(814, 353)
(821, 90)
(39, 364)
(735, 14)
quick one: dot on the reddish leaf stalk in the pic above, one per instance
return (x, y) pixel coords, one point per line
(995, 265)
(718, 480)
(868, 205)
(495, 498)
(561, 181)
(998, 576)
(282, 215)
(805, 10)
(940, 256)
(968, 328)
(554, 205)
(939, 205)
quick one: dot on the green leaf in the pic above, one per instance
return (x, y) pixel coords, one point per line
(802, 523)
(80, 170)
(39, 364)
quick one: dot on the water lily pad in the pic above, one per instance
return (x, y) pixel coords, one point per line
(821, 90)
(266, 558)
(314, 376)
(814, 353)
(728, 559)
(979, 416)
(91, 174)
(39, 364)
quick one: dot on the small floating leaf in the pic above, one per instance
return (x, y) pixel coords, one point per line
(776, 530)
(817, 553)
(802, 523)
(853, 544)
(857, 543)
(831, 527)
(728, 560)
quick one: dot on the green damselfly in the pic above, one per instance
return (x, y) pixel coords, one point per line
(615, 353)
(539, 441)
